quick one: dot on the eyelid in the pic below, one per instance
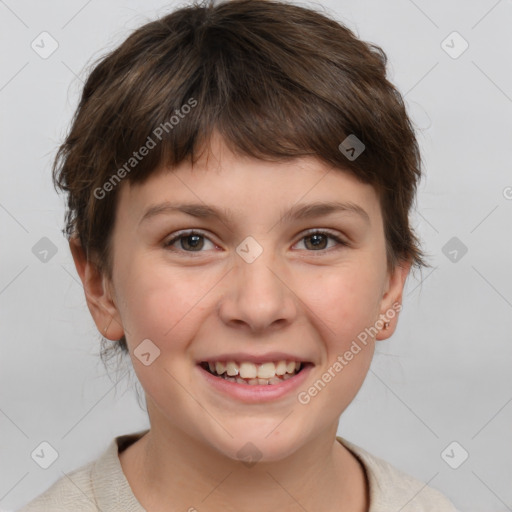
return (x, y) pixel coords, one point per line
(324, 231)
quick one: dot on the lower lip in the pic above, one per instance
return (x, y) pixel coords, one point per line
(256, 393)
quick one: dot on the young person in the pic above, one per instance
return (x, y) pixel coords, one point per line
(239, 178)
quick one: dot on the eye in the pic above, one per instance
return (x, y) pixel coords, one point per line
(191, 241)
(319, 239)
(194, 241)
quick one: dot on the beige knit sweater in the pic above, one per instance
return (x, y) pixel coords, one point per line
(100, 486)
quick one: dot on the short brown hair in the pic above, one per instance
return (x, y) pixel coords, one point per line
(276, 80)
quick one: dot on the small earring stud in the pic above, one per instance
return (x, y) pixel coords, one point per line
(386, 325)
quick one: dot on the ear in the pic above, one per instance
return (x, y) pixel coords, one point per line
(97, 288)
(391, 302)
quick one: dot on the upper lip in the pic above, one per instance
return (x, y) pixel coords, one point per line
(254, 358)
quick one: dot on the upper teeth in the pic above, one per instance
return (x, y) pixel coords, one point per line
(248, 370)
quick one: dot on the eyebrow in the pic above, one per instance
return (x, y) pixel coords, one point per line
(297, 212)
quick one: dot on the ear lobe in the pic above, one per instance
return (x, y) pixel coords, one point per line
(97, 294)
(391, 303)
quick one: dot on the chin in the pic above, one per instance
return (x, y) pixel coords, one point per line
(254, 444)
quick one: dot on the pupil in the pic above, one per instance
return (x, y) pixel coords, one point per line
(196, 243)
(317, 239)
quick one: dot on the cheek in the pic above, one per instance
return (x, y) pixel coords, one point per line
(344, 300)
(345, 304)
(163, 305)
(165, 309)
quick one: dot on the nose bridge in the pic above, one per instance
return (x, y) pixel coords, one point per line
(256, 270)
(258, 295)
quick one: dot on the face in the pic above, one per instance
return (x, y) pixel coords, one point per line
(264, 280)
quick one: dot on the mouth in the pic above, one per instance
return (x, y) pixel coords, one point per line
(270, 373)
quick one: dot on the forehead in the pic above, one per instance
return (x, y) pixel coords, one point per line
(242, 186)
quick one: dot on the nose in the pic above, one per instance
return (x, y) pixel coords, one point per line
(258, 296)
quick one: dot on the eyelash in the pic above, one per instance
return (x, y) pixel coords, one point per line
(184, 234)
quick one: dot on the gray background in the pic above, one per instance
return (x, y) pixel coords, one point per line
(444, 376)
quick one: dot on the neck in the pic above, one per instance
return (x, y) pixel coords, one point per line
(167, 466)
